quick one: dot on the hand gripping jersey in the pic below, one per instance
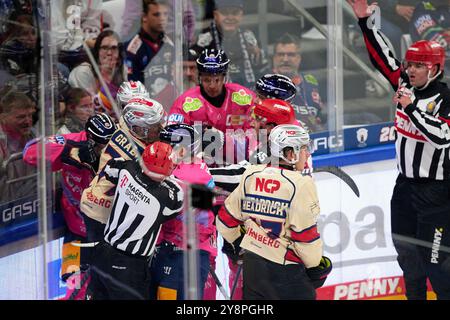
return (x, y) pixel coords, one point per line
(191, 106)
(172, 231)
(140, 206)
(279, 209)
(423, 134)
(75, 175)
(97, 199)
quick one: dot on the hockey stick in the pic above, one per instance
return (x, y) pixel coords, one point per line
(341, 174)
(238, 273)
(218, 283)
(84, 245)
(83, 281)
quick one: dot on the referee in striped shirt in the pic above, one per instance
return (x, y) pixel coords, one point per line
(420, 204)
(144, 199)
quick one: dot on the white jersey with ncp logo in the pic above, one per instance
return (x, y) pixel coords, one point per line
(279, 209)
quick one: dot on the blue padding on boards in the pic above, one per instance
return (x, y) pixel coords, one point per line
(352, 157)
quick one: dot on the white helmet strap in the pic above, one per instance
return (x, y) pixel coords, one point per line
(430, 79)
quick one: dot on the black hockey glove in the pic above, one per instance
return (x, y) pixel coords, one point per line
(234, 251)
(201, 197)
(319, 274)
(87, 154)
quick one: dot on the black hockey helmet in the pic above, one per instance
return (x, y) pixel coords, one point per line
(276, 86)
(181, 134)
(100, 128)
(212, 61)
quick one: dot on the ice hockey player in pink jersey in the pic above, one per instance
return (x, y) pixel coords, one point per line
(77, 156)
(214, 102)
(167, 266)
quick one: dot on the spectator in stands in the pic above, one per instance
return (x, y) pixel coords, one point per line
(19, 58)
(248, 61)
(150, 52)
(19, 49)
(74, 22)
(307, 102)
(109, 56)
(190, 72)
(190, 79)
(431, 21)
(16, 128)
(78, 108)
(10, 10)
(188, 22)
(395, 18)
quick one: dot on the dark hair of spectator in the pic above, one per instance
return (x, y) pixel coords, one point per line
(190, 54)
(22, 23)
(14, 100)
(147, 3)
(288, 38)
(118, 78)
(98, 43)
(73, 96)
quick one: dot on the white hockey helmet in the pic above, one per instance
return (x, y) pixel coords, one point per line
(129, 90)
(288, 135)
(144, 117)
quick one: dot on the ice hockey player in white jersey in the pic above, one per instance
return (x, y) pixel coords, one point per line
(139, 125)
(279, 208)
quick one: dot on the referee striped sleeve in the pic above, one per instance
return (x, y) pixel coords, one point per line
(436, 130)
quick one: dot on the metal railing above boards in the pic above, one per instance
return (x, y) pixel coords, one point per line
(301, 9)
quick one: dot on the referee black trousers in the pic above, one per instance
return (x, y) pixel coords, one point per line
(420, 222)
(119, 276)
(267, 280)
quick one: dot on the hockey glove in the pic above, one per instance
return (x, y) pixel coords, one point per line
(87, 154)
(319, 274)
(233, 250)
(201, 197)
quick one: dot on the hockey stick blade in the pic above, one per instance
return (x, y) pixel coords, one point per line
(341, 174)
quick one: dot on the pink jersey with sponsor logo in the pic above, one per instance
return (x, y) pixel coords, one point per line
(74, 180)
(172, 231)
(191, 106)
